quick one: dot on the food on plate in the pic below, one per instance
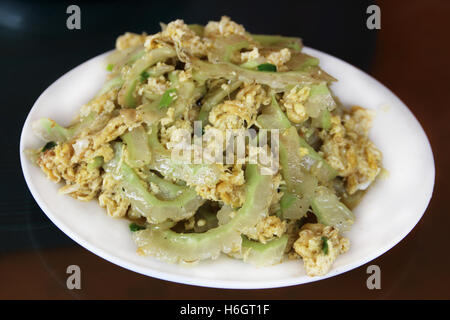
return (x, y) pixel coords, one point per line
(160, 89)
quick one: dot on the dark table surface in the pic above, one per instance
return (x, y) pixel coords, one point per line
(409, 55)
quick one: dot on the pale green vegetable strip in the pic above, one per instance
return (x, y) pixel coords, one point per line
(119, 58)
(152, 113)
(148, 205)
(215, 98)
(325, 204)
(189, 247)
(316, 164)
(114, 83)
(49, 130)
(137, 147)
(299, 171)
(273, 117)
(320, 99)
(193, 174)
(173, 78)
(330, 211)
(264, 254)
(185, 94)
(302, 61)
(167, 189)
(232, 48)
(251, 64)
(137, 54)
(159, 70)
(126, 96)
(326, 119)
(299, 182)
(225, 214)
(224, 48)
(275, 40)
(276, 80)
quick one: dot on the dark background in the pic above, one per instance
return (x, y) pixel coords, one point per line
(410, 54)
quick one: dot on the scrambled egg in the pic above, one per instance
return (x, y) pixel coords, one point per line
(268, 228)
(155, 86)
(130, 40)
(181, 36)
(241, 112)
(225, 28)
(319, 246)
(277, 58)
(104, 104)
(69, 161)
(81, 182)
(172, 136)
(293, 102)
(230, 189)
(252, 55)
(347, 149)
(229, 115)
(111, 198)
(280, 58)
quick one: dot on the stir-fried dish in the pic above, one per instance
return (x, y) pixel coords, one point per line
(119, 150)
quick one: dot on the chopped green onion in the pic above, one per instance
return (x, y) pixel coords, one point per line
(267, 67)
(49, 145)
(109, 67)
(135, 227)
(325, 245)
(144, 76)
(167, 98)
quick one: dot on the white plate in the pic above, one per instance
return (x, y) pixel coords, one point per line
(386, 215)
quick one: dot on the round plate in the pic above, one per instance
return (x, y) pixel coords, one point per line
(388, 212)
